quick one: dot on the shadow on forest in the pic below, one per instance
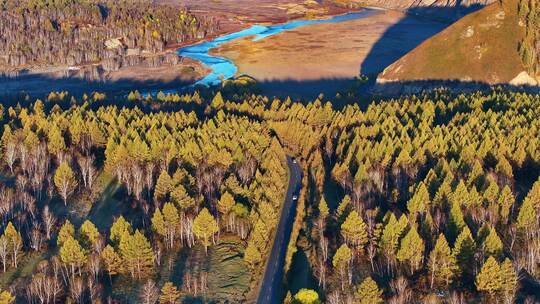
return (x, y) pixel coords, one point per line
(40, 85)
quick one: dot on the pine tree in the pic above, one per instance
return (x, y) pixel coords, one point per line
(158, 223)
(14, 243)
(6, 297)
(137, 254)
(456, 220)
(411, 249)
(225, 203)
(420, 201)
(56, 143)
(66, 231)
(341, 261)
(172, 222)
(65, 181)
(217, 102)
(489, 278)
(492, 193)
(506, 202)
(111, 260)
(464, 248)
(205, 227)
(508, 279)
(526, 219)
(392, 232)
(343, 207)
(164, 185)
(90, 234)
(324, 211)
(73, 255)
(354, 230)
(120, 228)
(252, 256)
(493, 244)
(442, 264)
(169, 294)
(368, 293)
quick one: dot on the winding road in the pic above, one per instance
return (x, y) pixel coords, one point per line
(271, 291)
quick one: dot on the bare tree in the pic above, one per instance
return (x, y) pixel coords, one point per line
(10, 155)
(36, 238)
(4, 251)
(48, 221)
(88, 170)
(149, 293)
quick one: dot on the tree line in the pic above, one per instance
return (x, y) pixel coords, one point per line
(80, 32)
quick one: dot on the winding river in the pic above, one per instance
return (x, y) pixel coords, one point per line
(223, 68)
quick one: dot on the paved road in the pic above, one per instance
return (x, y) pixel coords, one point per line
(271, 291)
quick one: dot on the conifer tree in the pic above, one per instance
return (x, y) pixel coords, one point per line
(158, 223)
(461, 194)
(420, 200)
(442, 263)
(324, 211)
(341, 261)
(354, 230)
(65, 181)
(14, 243)
(456, 220)
(164, 185)
(120, 228)
(508, 279)
(343, 207)
(392, 233)
(205, 227)
(217, 102)
(111, 260)
(411, 249)
(66, 231)
(6, 297)
(169, 294)
(90, 234)
(172, 222)
(252, 256)
(526, 219)
(464, 249)
(489, 278)
(56, 143)
(225, 203)
(73, 255)
(493, 244)
(137, 254)
(506, 202)
(368, 293)
(492, 193)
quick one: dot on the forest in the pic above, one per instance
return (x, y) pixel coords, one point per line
(422, 199)
(75, 32)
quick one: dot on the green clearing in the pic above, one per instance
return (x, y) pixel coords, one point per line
(228, 277)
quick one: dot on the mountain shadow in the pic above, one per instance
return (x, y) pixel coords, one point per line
(418, 25)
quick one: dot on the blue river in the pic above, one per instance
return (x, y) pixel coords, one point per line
(223, 68)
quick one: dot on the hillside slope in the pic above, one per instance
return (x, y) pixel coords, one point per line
(481, 47)
(446, 9)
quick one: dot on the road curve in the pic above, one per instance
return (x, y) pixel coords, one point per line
(271, 291)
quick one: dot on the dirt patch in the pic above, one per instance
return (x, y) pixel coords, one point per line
(326, 51)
